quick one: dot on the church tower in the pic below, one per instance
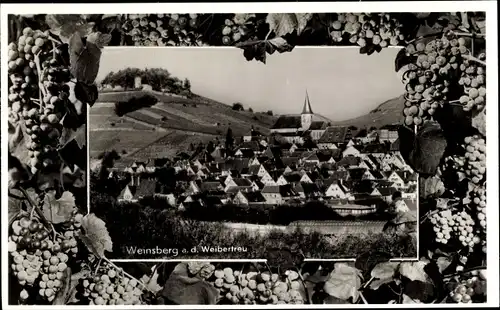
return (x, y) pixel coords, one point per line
(307, 114)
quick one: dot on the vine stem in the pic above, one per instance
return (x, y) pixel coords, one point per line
(472, 58)
(39, 74)
(39, 212)
(463, 272)
(363, 297)
(309, 301)
(126, 273)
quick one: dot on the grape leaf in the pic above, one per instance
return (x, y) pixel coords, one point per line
(18, 171)
(443, 262)
(14, 207)
(16, 135)
(414, 270)
(402, 59)
(367, 260)
(383, 273)
(95, 235)
(284, 23)
(99, 39)
(182, 289)
(343, 282)
(283, 258)
(67, 25)
(86, 93)
(277, 44)
(152, 282)
(68, 292)
(431, 187)
(331, 300)
(84, 59)
(409, 300)
(423, 151)
(58, 210)
(479, 122)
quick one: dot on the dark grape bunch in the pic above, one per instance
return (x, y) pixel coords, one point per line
(366, 29)
(110, 286)
(470, 287)
(448, 223)
(475, 158)
(163, 29)
(473, 79)
(236, 287)
(38, 94)
(238, 29)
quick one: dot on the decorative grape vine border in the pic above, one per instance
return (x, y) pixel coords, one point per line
(57, 254)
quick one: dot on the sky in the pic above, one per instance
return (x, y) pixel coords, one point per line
(341, 83)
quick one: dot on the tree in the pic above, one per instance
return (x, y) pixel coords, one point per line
(237, 106)
(270, 112)
(373, 128)
(229, 138)
(186, 84)
(210, 147)
(353, 128)
(250, 110)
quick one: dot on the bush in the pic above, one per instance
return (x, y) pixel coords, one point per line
(238, 106)
(135, 103)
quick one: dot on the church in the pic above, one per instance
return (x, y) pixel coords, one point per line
(295, 128)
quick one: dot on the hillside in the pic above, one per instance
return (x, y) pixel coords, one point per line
(167, 127)
(388, 112)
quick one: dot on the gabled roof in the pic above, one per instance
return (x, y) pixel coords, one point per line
(406, 176)
(240, 182)
(287, 121)
(246, 153)
(210, 186)
(292, 177)
(252, 145)
(349, 161)
(235, 164)
(146, 187)
(318, 125)
(307, 188)
(284, 190)
(386, 191)
(253, 169)
(253, 196)
(356, 173)
(375, 148)
(290, 161)
(377, 174)
(336, 134)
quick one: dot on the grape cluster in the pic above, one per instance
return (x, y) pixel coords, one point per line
(237, 29)
(477, 199)
(110, 287)
(475, 158)
(471, 285)
(428, 80)
(473, 79)
(34, 254)
(366, 29)
(36, 67)
(458, 224)
(163, 29)
(258, 288)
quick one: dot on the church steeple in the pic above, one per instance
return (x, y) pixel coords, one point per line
(307, 105)
(306, 117)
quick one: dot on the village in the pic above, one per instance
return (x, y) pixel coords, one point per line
(303, 159)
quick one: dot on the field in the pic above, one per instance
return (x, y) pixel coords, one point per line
(167, 127)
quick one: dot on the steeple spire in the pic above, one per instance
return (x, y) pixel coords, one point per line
(307, 105)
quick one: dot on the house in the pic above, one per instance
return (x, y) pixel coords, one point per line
(291, 178)
(317, 129)
(238, 184)
(245, 198)
(402, 179)
(351, 151)
(384, 193)
(334, 136)
(252, 135)
(336, 189)
(306, 178)
(267, 179)
(307, 190)
(388, 133)
(276, 195)
(146, 188)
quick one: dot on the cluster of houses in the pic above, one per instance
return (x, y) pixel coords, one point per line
(349, 172)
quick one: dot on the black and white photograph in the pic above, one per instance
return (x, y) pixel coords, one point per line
(205, 154)
(177, 155)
